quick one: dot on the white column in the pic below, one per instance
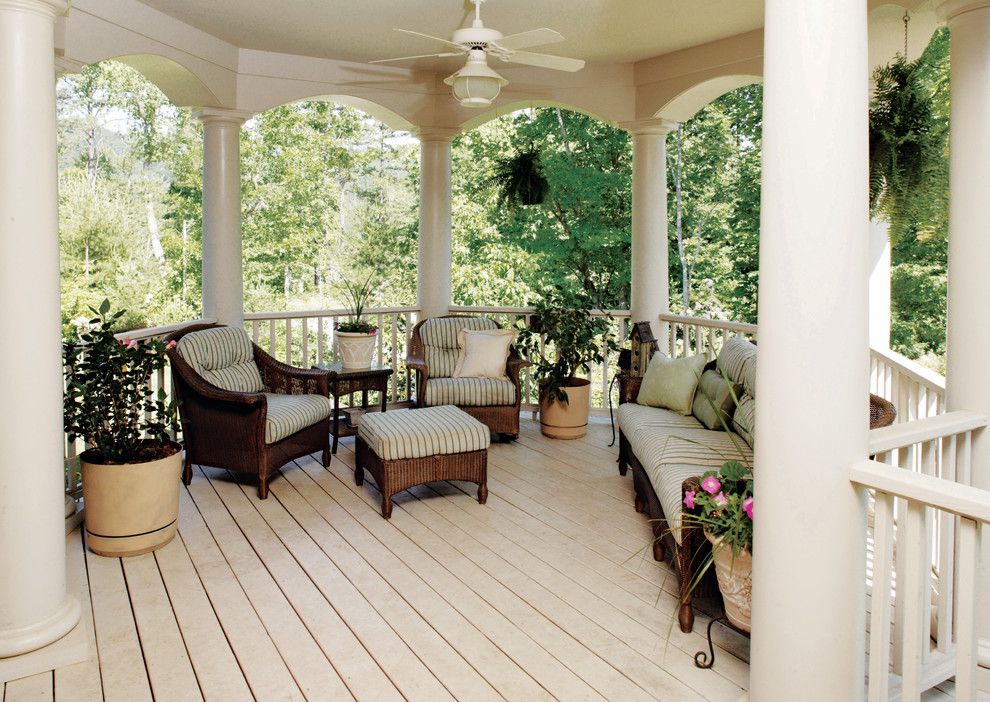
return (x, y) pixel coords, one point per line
(967, 375)
(34, 607)
(650, 293)
(809, 563)
(434, 281)
(879, 284)
(223, 268)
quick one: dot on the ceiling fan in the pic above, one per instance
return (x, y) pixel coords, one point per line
(476, 84)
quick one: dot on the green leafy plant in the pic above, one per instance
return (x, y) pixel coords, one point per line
(723, 506)
(108, 401)
(356, 296)
(520, 179)
(573, 340)
(906, 140)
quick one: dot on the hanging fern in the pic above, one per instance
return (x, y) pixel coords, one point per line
(520, 179)
(906, 141)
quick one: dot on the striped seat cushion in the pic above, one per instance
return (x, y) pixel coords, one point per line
(224, 357)
(417, 433)
(671, 452)
(469, 392)
(439, 337)
(737, 360)
(288, 414)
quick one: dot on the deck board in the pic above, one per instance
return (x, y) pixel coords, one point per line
(549, 591)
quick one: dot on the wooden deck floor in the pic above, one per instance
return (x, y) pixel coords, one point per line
(546, 592)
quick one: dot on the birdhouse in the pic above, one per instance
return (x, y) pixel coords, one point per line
(643, 346)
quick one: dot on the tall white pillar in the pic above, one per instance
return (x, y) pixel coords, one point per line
(810, 552)
(34, 607)
(879, 284)
(967, 375)
(435, 255)
(650, 293)
(223, 268)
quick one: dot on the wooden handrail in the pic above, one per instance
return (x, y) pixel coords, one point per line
(741, 327)
(962, 500)
(151, 332)
(310, 314)
(921, 430)
(912, 369)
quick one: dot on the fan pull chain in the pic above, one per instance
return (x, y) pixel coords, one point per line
(906, 18)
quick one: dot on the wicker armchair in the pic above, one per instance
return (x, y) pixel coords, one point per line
(250, 413)
(433, 355)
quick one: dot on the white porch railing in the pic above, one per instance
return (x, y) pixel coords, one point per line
(927, 523)
(916, 391)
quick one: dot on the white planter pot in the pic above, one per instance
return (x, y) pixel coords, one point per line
(735, 580)
(356, 349)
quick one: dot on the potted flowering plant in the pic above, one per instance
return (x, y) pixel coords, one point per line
(356, 337)
(130, 472)
(723, 508)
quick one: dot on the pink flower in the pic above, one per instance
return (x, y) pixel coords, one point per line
(131, 343)
(689, 499)
(748, 507)
(720, 499)
(171, 345)
(711, 485)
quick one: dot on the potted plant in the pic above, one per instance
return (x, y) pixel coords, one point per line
(130, 473)
(573, 339)
(520, 180)
(723, 508)
(356, 337)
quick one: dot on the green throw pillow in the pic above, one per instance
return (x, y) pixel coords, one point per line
(671, 384)
(715, 398)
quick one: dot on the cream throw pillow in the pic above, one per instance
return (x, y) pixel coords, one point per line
(671, 384)
(483, 353)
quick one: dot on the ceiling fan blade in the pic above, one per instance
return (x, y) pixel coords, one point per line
(408, 58)
(556, 63)
(534, 37)
(429, 36)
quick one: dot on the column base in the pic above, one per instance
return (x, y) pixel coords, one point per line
(983, 667)
(30, 638)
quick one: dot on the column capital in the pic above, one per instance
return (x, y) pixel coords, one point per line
(48, 8)
(950, 9)
(437, 133)
(220, 115)
(656, 126)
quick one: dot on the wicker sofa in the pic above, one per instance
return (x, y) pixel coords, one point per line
(432, 355)
(667, 451)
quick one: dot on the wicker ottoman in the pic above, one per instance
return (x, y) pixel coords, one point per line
(404, 448)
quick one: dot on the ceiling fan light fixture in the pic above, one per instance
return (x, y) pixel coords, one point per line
(476, 85)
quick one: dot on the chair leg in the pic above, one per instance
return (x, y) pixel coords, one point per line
(623, 466)
(387, 506)
(685, 616)
(658, 550)
(326, 456)
(638, 504)
(263, 489)
(482, 493)
(358, 475)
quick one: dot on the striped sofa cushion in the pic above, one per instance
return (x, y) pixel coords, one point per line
(439, 337)
(416, 433)
(288, 414)
(224, 357)
(736, 358)
(469, 392)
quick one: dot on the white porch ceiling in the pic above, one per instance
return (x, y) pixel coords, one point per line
(605, 31)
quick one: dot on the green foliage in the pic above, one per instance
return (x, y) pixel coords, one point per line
(356, 296)
(573, 339)
(519, 179)
(108, 402)
(723, 507)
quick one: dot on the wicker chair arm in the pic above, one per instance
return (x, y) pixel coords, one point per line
(628, 387)
(314, 381)
(514, 366)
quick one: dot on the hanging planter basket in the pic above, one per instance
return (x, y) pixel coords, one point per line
(520, 180)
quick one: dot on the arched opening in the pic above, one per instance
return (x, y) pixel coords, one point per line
(181, 85)
(687, 103)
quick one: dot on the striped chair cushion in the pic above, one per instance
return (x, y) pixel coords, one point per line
(735, 358)
(469, 392)
(417, 433)
(744, 419)
(288, 414)
(223, 357)
(439, 337)
(634, 418)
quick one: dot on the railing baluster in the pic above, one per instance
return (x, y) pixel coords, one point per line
(912, 580)
(970, 534)
(394, 379)
(305, 342)
(883, 561)
(946, 554)
(271, 337)
(255, 331)
(320, 341)
(288, 341)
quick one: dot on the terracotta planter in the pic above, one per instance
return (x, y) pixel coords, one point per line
(735, 580)
(568, 420)
(131, 508)
(356, 349)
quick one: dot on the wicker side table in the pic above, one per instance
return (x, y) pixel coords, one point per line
(344, 382)
(405, 448)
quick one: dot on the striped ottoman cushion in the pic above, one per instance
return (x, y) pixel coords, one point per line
(417, 433)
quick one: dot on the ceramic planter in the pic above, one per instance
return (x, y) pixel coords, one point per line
(735, 580)
(131, 508)
(568, 420)
(356, 349)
